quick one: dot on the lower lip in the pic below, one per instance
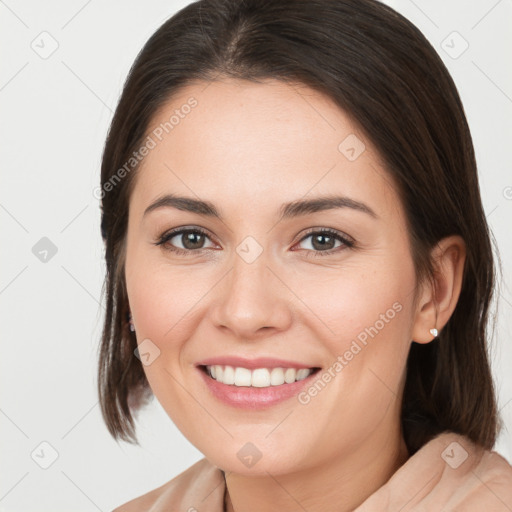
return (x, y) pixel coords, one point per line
(246, 397)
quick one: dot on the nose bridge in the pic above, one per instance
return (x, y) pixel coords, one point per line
(252, 297)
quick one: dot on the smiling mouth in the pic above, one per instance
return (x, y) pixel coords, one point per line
(258, 377)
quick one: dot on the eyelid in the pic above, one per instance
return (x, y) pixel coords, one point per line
(331, 231)
(347, 242)
(171, 233)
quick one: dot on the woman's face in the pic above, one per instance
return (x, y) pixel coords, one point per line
(263, 282)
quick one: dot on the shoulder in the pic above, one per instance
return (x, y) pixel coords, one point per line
(450, 472)
(199, 486)
(466, 476)
(462, 456)
(488, 479)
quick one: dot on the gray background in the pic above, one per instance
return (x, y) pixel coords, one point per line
(56, 109)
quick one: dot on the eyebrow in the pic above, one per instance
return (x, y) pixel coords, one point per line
(288, 210)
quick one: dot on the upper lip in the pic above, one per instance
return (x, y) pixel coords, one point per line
(251, 364)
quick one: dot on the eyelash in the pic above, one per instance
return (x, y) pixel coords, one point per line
(311, 253)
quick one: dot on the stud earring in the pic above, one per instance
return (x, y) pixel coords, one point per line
(433, 332)
(130, 323)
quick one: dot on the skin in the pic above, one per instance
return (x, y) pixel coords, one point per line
(248, 148)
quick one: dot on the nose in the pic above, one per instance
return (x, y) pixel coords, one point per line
(252, 300)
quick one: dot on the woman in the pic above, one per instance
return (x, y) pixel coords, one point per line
(299, 265)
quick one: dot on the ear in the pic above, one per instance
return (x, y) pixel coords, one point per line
(437, 300)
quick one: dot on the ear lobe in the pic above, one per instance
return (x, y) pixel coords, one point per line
(439, 298)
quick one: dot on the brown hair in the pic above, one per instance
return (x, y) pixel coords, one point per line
(380, 69)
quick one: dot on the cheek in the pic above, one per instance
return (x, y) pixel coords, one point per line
(361, 302)
(365, 316)
(369, 318)
(166, 304)
(164, 307)
(161, 294)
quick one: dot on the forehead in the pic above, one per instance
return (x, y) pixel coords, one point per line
(256, 144)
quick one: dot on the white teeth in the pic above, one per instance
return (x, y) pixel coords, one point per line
(242, 376)
(276, 377)
(289, 375)
(228, 377)
(302, 374)
(258, 378)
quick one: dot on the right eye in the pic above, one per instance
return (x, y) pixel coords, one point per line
(191, 240)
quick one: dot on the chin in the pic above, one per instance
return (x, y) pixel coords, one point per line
(257, 459)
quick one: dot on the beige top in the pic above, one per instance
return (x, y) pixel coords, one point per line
(199, 488)
(447, 473)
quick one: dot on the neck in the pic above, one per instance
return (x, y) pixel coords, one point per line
(340, 484)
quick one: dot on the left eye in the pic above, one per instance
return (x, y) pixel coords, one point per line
(324, 241)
